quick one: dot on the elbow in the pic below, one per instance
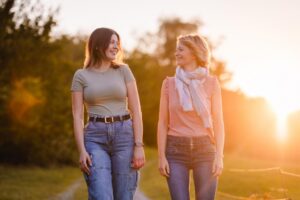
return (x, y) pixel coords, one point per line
(136, 113)
(77, 117)
(162, 128)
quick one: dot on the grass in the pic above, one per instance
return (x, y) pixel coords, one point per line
(34, 183)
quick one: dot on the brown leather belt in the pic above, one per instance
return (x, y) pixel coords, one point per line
(110, 119)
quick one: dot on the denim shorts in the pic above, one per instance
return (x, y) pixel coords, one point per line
(110, 146)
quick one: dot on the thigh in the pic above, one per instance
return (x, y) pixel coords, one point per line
(178, 181)
(205, 182)
(124, 177)
(99, 181)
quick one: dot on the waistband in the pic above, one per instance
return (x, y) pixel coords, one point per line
(188, 140)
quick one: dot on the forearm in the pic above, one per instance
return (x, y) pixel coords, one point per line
(137, 126)
(78, 132)
(220, 139)
(162, 140)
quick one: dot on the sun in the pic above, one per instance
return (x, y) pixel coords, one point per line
(282, 111)
(281, 130)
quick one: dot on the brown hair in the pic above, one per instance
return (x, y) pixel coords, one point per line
(199, 47)
(96, 46)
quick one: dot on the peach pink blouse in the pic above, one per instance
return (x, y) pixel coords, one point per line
(188, 123)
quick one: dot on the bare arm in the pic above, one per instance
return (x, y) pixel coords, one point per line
(217, 115)
(135, 108)
(78, 124)
(162, 130)
(218, 126)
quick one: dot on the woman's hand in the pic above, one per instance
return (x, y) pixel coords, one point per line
(217, 166)
(85, 162)
(163, 167)
(138, 160)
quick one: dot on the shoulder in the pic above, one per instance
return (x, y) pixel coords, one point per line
(79, 72)
(124, 67)
(167, 81)
(211, 78)
(212, 81)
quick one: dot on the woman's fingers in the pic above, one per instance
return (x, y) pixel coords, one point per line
(165, 171)
(89, 160)
(85, 164)
(214, 168)
(138, 163)
(218, 171)
(85, 168)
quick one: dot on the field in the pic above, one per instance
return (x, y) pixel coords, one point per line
(34, 183)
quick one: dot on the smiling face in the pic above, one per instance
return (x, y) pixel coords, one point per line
(104, 45)
(184, 55)
(113, 48)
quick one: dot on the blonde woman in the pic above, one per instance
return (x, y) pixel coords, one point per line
(111, 143)
(190, 132)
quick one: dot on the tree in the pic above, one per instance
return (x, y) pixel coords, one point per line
(36, 71)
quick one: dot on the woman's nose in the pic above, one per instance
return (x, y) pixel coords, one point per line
(115, 45)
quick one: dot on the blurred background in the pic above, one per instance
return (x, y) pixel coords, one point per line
(256, 57)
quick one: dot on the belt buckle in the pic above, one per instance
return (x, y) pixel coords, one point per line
(107, 122)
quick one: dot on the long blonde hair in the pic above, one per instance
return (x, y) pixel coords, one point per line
(199, 47)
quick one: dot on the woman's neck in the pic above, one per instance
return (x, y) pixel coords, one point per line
(190, 67)
(105, 65)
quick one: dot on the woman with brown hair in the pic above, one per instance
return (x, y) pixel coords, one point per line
(111, 143)
(190, 132)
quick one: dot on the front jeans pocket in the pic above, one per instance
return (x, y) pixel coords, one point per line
(208, 148)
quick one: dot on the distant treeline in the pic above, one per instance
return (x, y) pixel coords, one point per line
(36, 73)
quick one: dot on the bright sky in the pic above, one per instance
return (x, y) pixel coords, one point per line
(261, 42)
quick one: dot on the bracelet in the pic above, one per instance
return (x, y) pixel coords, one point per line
(139, 144)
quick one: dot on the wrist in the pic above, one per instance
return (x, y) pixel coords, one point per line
(82, 150)
(220, 156)
(139, 144)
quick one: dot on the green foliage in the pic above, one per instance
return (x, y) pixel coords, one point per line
(36, 71)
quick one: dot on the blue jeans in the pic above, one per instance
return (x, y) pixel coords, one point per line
(111, 149)
(196, 154)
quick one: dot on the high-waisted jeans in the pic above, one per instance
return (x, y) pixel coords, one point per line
(110, 146)
(196, 154)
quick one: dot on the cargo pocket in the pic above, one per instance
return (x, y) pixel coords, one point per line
(132, 180)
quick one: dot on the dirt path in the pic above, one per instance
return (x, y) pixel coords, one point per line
(139, 195)
(68, 194)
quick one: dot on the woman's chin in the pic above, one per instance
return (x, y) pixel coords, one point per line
(111, 58)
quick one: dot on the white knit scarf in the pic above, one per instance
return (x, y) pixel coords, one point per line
(192, 94)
